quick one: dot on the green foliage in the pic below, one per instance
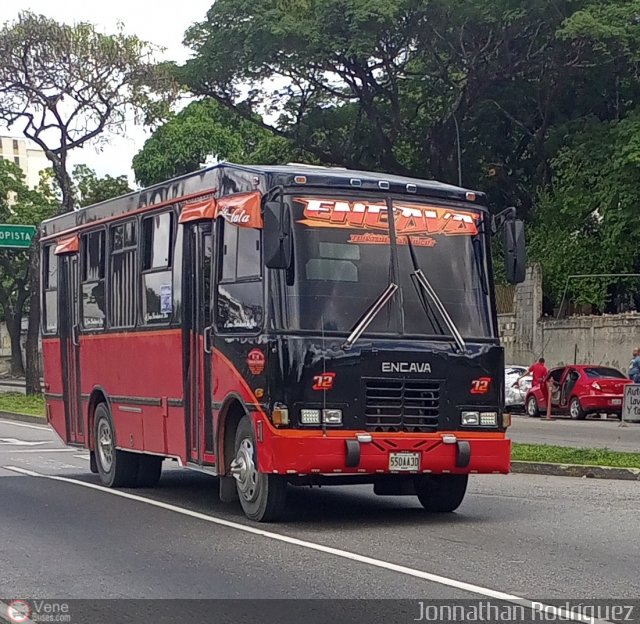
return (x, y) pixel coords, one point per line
(542, 94)
(86, 186)
(19, 205)
(90, 189)
(205, 130)
(563, 455)
(14, 403)
(588, 223)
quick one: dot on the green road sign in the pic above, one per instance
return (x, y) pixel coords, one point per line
(16, 236)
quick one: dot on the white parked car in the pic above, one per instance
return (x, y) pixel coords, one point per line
(514, 397)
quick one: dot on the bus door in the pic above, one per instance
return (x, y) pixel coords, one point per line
(197, 341)
(68, 315)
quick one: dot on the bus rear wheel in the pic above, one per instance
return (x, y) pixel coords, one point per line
(262, 496)
(441, 493)
(116, 468)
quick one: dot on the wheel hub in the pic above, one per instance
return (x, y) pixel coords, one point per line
(105, 445)
(574, 409)
(244, 471)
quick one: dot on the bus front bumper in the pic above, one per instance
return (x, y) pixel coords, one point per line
(350, 452)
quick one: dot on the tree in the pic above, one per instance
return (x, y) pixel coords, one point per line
(20, 205)
(588, 222)
(91, 189)
(203, 130)
(384, 84)
(67, 85)
(522, 88)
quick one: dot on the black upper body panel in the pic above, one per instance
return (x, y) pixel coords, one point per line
(227, 178)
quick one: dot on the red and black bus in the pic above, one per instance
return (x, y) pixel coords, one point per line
(279, 326)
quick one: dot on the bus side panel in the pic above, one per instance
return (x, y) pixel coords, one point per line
(52, 372)
(140, 372)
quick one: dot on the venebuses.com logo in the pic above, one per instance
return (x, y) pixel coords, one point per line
(18, 611)
(32, 611)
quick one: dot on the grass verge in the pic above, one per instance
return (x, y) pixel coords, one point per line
(22, 404)
(564, 455)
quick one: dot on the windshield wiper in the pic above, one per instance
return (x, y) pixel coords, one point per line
(367, 318)
(420, 279)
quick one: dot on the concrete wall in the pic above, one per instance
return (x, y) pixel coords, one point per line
(606, 340)
(519, 330)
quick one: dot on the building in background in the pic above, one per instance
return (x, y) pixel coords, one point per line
(26, 155)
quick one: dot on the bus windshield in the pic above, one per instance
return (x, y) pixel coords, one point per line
(343, 260)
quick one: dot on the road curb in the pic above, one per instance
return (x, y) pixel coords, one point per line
(23, 418)
(576, 470)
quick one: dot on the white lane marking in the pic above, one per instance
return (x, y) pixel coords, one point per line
(344, 554)
(25, 425)
(16, 442)
(41, 450)
(80, 456)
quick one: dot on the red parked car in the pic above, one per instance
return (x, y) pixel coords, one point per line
(580, 390)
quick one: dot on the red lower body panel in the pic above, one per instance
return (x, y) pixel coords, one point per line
(312, 452)
(604, 402)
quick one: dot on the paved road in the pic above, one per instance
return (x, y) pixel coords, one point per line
(533, 537)
(577, 434)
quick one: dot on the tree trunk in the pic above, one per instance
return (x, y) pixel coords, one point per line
(14, 326)
(33, 330)
(64, 182)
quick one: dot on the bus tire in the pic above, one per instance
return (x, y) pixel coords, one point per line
(262, 496)
(441, 493)
(92, 462)
(149, 471)
(116, 468)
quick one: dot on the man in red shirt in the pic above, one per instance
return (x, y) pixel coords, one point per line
(539, 373)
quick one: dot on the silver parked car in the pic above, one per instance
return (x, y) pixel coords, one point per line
(514, 397)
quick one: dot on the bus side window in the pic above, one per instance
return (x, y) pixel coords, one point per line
(239, 298)
(157, 278)
(50, 290)
(93, 295)
(122, 278)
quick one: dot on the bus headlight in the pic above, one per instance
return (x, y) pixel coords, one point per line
(332, 416)
(470, 419)
(310, 416)
(489, 419)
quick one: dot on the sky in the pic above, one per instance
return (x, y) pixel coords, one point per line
(161, 22)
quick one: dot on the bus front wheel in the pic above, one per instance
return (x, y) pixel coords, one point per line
(262, 496)
(441, 493)
(116, 468)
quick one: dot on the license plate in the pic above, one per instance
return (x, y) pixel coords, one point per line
(616, 401)
(404, 462)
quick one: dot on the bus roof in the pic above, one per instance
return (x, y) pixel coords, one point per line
(228, 178)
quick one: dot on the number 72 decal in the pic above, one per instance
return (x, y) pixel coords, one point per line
(323, 382)
(481, 385)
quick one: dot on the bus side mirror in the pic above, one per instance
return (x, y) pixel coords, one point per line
(515, 252)
(277, 235)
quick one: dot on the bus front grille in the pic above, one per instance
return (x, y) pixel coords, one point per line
(411, 405)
